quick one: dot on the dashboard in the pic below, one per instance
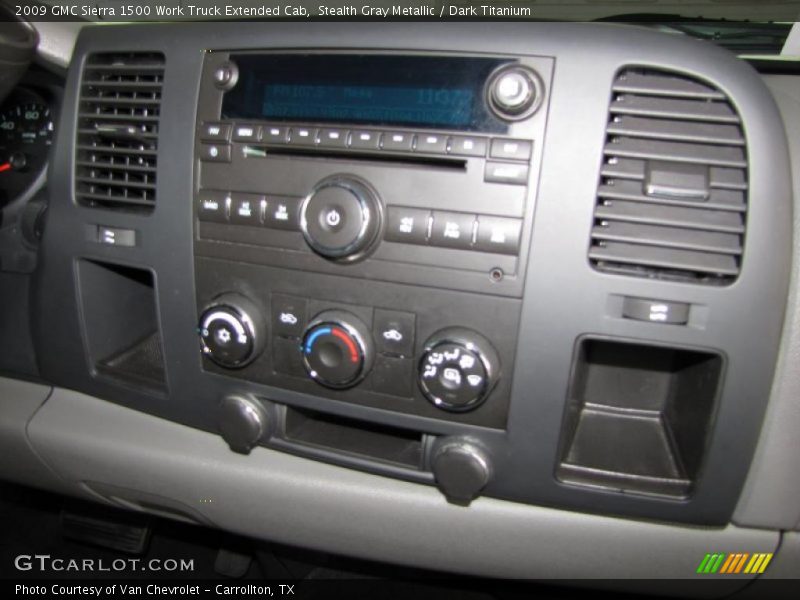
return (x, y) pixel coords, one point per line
(468, 285)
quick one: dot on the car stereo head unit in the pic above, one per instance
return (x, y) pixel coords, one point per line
(405, 166)
(451, 92)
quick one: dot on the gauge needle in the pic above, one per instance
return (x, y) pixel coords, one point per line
(6, 166)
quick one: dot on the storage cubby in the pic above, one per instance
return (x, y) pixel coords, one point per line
(639, 417)
(120, 323)
(355, 438)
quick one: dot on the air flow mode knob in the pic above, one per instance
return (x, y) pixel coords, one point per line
(337, 349)
(458, 369)
(342, 218)
(232, 331)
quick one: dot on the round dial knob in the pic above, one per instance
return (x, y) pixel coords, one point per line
(461, 468)
(458, 369)
(514, 92)
(341, 218)
(231, 331)
(242, 423)
(337, 349)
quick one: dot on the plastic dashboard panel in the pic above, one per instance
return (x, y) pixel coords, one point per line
(563, 298)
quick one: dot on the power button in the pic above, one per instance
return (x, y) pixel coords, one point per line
(340, 219)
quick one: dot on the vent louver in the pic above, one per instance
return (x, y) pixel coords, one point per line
(117, 138)
(671, 203)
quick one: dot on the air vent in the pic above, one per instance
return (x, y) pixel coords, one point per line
(671, 203)
(117, 141)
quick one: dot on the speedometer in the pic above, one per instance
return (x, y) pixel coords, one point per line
(26, 133)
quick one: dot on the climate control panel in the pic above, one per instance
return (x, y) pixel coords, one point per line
(432, 353)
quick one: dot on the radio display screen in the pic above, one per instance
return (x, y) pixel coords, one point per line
(383, 90)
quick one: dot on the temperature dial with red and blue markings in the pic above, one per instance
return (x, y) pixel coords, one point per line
(337, 349)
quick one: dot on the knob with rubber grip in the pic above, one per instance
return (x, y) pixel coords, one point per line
(462, 469)
(242, 422)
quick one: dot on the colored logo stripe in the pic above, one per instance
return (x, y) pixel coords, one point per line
(734, 563)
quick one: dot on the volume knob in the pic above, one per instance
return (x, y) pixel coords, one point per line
(341, 218)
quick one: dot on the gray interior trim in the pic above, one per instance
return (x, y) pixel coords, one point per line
(57, 40)
(19, 401)
(275, 496)
(771, 496)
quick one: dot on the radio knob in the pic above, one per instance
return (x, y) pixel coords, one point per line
(232, 331)
(461, 468)
(341, 218)
(226, 75)
(337, 349)
(514, 92)
(458, 369)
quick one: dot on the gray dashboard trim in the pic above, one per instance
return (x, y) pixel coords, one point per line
(771, 496)
(19, 401)
(279, 497)
(57, 41)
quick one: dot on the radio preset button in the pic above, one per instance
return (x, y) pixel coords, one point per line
(282, 212)
(499, 172)
(302, 136)
(397, 141)
(211, 206)
(431, 143)
(364, 140)
(215, 152)
(511, 149)
(497, 234)
(274, 134)
(246, 209)
(452, 230)
(215, 132)
(407, 225)
(467, 146)
(246, 133)
(333, 138)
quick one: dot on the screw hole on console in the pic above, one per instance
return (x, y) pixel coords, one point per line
(496, 274)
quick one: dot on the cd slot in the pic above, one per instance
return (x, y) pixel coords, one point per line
(448, 164)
